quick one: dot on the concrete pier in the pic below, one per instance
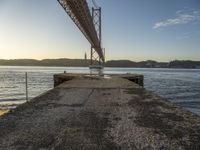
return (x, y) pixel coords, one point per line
(95, 113)
(60, 78)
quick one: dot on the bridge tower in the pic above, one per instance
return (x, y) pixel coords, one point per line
(96, 63)
(96, 18)
(89, 23)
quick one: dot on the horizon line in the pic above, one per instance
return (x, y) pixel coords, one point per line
(105, 61)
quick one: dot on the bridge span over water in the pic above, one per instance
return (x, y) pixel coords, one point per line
(89, 23)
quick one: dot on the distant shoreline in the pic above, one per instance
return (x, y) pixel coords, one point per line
(64, 62)
(105, 67)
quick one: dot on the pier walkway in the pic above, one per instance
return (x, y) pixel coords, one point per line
(95, 113)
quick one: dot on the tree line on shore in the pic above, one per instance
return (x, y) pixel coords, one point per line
(111, 63)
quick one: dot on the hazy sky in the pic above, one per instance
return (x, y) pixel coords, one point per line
(161, 30)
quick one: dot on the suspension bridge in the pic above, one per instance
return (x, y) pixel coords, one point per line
(89, 23)
(95, 112)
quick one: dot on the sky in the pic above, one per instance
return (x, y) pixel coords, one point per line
(161, 30)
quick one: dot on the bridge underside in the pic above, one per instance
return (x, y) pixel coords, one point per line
(79, 12)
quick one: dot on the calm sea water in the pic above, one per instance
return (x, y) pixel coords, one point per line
(181, 86)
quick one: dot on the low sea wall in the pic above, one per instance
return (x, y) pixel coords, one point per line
(61, 78)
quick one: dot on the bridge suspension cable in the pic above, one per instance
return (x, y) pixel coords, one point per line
(79, 12)
(95, 4)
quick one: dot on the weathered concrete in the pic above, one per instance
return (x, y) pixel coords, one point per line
(99, 113)
(60, 78)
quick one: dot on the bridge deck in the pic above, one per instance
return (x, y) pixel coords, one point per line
(99, 113)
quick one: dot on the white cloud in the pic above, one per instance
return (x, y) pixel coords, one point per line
(181, 18)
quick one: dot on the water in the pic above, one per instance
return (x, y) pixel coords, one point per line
(181, 86)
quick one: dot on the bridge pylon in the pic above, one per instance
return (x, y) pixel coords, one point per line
(89, 23)
(96, 62)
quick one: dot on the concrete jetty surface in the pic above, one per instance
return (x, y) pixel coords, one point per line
(95, 113)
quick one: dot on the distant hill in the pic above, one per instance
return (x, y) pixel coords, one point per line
(142, 64)
(112, 63)
(46, 62)
(121, 63)
(184, 64)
